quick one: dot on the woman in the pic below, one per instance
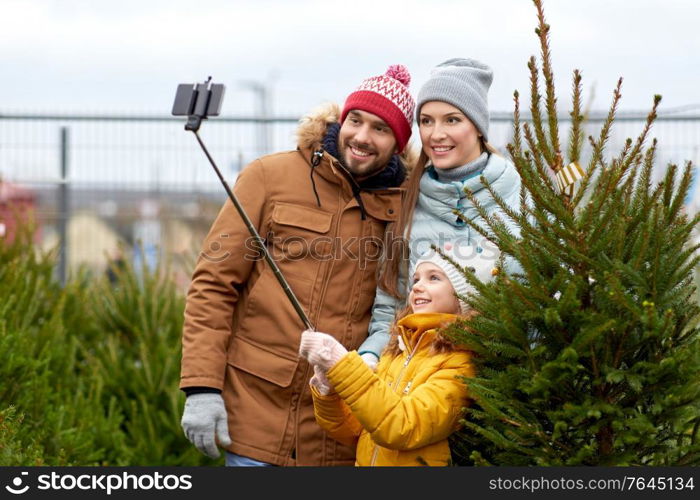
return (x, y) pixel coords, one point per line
(453, 120)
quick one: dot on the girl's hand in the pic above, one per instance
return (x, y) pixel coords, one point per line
(321, 349)
(320, 382)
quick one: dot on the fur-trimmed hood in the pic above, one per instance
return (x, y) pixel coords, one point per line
(313, 125)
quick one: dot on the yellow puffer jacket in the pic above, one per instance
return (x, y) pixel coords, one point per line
(404, 413)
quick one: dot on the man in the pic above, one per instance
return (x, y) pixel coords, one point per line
(322, 210)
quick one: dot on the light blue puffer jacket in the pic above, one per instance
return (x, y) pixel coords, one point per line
(434, 222)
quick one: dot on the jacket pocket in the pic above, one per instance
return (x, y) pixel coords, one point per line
(287, 214)
(262, 363)
(268, 319)
(299, 233)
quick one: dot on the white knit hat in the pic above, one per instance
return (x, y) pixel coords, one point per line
(483, 262)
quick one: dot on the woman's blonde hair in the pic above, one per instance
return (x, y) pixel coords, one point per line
(398, 233)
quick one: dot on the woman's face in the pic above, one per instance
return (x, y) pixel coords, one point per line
(449, 138)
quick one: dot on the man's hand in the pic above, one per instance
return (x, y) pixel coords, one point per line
(321, 349)
(204, 422)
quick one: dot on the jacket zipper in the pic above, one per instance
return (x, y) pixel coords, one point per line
(396, 385)
(326, 276)
(329, 266)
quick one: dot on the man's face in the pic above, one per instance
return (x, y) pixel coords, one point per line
(365, 143)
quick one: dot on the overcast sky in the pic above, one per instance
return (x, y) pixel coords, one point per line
(128, 56)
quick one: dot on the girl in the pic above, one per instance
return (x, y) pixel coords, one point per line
(403, 413)
(453, 120)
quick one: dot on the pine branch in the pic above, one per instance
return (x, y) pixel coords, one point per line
(681, 192)
(477, 227)
(546, 198)
(493, 222)
(590, 335)
(622, 157)
(515, 147)
(651, 117)
(640, 215)
(545, 172)
(535, 98)
(687, 268)
(576, 133)
(629, 155)
(524, 198)
(599, 146)
(639, 250)
(542, 32)
(518, 217)
(641, 195)
(507, 245)
(678, 233)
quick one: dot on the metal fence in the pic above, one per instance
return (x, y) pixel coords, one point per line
(104, 184)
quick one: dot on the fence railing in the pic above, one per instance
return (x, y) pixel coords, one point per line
(105, 182)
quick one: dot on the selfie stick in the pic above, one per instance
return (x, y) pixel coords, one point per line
(198, 102)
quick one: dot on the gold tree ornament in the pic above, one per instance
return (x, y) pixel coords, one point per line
(567, 177)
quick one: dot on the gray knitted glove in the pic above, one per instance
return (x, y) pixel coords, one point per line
(204, 422)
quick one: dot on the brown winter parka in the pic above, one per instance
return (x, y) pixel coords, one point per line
(241, 335)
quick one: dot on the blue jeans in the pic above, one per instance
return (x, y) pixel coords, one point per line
(233, 460)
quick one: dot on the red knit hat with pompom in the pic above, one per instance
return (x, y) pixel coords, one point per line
(387, 97)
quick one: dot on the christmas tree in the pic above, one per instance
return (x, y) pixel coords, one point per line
(589, 355)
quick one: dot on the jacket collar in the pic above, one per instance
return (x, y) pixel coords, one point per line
(421, 328)
(382, 204)
(442, 198)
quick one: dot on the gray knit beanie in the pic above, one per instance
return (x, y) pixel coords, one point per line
(464, 83)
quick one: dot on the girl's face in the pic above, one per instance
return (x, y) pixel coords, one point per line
(449, 138)
(432, 291)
